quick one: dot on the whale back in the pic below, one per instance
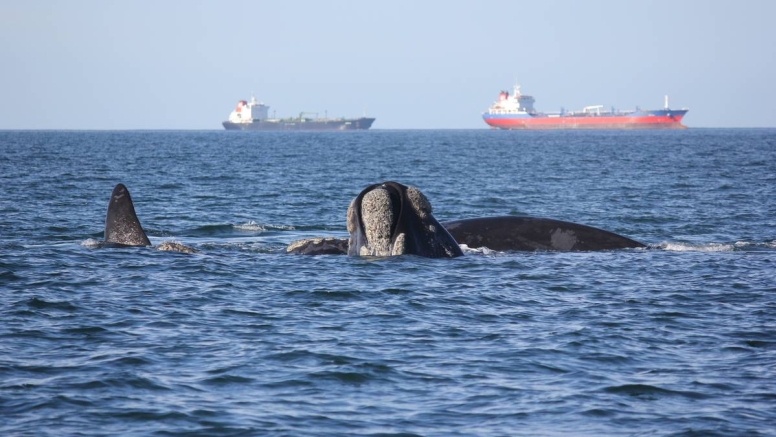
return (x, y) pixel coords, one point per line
(533, 233)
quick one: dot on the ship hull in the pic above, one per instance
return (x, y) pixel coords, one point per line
(362, 123)
(663, 119)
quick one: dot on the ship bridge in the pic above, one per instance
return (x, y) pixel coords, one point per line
(247, 112)
(513, 104)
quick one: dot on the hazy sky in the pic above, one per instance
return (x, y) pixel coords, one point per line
(411, 64)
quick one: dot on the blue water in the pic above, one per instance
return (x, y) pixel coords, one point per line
(242, 339)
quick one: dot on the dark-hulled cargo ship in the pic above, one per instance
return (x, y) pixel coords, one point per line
(516, 111)
(253, 116)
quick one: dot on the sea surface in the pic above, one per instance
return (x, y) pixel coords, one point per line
(242, 339)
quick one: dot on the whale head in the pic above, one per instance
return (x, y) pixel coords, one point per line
(390, 219)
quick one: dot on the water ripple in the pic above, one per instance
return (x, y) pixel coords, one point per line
(242, 339)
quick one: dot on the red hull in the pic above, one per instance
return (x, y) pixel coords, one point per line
(645, 122)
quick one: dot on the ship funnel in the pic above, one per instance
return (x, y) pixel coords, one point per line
(666, 103)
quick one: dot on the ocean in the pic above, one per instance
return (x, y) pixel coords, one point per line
(242, 339)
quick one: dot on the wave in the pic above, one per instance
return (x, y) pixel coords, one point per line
(38, 303)
(253, 226)
(232, 229)
(479, 250)
(691, 247)
(715, 247)
(250, 226)
(652, 391)
(91, 243)
(242, 246)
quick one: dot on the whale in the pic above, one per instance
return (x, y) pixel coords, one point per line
(525, 233)
(122, 226)
(390, 219)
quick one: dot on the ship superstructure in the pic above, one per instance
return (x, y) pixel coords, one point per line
(248, 112)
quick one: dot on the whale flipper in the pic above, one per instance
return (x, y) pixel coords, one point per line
(393, 219)
(532, 233)
(122, 226)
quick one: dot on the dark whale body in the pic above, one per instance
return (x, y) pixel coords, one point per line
(532, 233)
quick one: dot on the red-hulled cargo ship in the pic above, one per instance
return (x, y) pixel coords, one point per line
(516, 111)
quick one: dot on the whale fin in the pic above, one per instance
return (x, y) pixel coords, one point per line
(122, 226)
(532, 233)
